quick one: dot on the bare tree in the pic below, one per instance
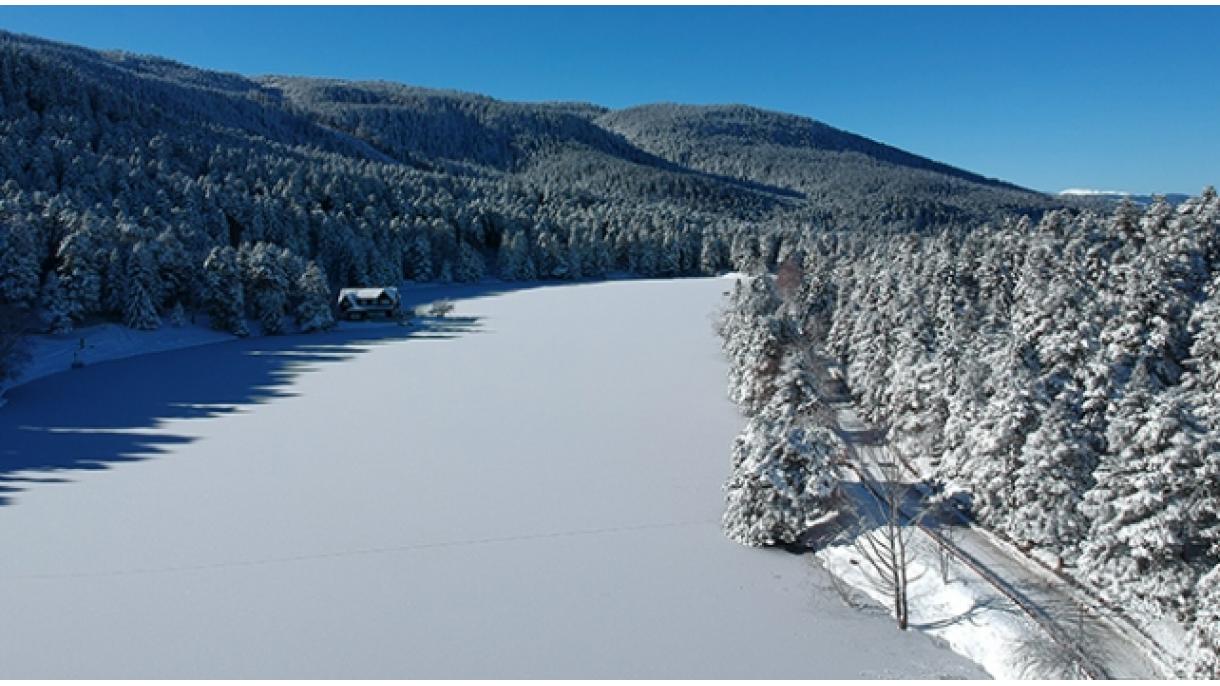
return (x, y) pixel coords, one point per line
(887, 512)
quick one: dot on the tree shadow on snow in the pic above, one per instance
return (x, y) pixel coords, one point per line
(859, 509)
(866, 437)
(970, 614)
(104, 414)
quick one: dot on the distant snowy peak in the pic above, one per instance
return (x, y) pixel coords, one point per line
(1137, 198)
(1090, 191)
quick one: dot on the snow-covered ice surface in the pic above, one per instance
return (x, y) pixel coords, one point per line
(54, 353)
(530, 489)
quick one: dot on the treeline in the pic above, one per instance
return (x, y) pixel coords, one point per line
(138, 189)
(783, 467)
(1061, 374)
(129, 195)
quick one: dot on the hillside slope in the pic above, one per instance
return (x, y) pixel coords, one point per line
(135, 187)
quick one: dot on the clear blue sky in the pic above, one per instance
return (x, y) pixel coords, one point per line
(1111, 98)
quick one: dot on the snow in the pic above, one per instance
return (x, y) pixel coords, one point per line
(54, 353)
(977, 619)
(528, 488)
(965, 612)
(1090, 191)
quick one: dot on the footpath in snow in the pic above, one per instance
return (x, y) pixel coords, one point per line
(530, 488)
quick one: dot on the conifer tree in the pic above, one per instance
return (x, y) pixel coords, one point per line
(55, 307)
(470, 266)
(80, 271)
(265, 279)
(313, 312)
(225, 298)
(18, 262)
(139, 312)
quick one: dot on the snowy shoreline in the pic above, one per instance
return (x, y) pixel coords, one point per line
(368, 531)
(53, 354)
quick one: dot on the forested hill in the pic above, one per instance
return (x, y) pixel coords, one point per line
(138, 188)
(1061, 379)
(819, 161)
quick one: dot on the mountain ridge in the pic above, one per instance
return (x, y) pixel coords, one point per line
(800, 131)
(111, 159)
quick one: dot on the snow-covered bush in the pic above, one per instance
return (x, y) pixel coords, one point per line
(440, 308)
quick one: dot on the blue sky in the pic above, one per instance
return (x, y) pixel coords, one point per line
(1050, 98)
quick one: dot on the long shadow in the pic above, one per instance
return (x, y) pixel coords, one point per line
(91, 418)
(976, 608)
(871, 437)
(868, 505)
(861, 509)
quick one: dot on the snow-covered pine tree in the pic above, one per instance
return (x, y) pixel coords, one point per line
(55, 308)
(993, 446)
(177, 269)
(313, 311)
(225, 297)
(752, 340)
(139, 312)
(784, 469)
(596, 260)
(549, 255)
(80, 270)
(266, 282)
(1138, 545)
(114, 281)
(19, 274)
(670, 262)
(512, 257)
(1050, 479)
(711, 255)
(744, 253)
(470, 265)
(1204, 637)
(418, 256)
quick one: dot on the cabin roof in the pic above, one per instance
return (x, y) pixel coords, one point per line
(364, 293)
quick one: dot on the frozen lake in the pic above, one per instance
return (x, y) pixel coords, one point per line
(531, 490)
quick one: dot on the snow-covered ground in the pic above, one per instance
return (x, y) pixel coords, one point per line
(54, 353)
(962, 610)
(968, 612)
(529, 489)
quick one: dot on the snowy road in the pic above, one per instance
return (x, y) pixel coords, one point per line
(531, 489)
(1108, 647)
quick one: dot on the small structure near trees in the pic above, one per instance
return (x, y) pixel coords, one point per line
(362, 303)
